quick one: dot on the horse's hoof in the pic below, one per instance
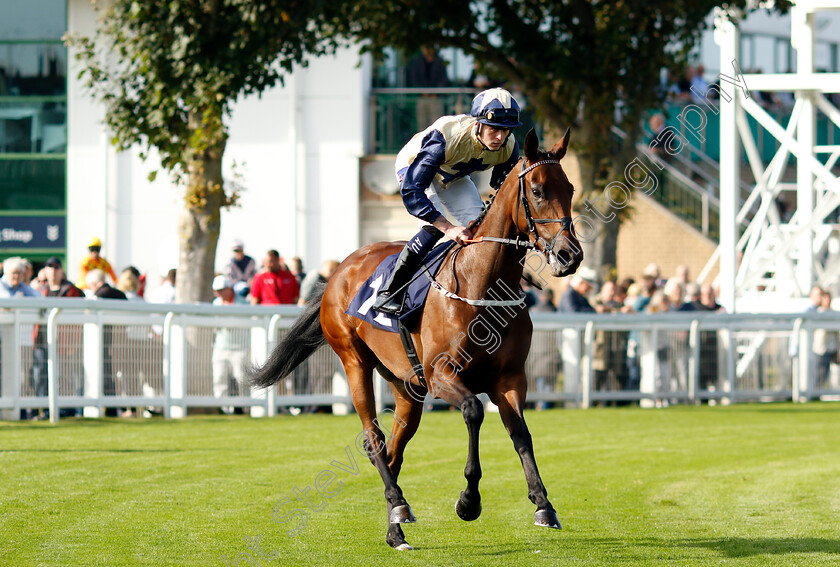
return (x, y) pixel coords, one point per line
(547, 518)
(402, 515)
(465, 511)
(403, 547)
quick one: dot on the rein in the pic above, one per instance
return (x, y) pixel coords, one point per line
(566, 224)
(479, 302)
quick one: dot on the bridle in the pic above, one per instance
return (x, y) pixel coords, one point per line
(538, 242)
(565, 222)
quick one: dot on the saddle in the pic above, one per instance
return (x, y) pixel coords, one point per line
(413, 295)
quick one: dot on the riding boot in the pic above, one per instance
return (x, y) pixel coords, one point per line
(390, 296)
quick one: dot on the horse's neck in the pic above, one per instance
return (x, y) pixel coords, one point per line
(483, 265)
(498, 221)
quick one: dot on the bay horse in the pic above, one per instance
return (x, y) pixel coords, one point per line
(483, 343)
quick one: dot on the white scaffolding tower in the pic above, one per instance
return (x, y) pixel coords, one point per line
(775, 258)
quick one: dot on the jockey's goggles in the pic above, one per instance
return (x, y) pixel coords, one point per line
(502, 115)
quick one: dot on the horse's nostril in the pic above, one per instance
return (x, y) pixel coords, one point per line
(564, 257)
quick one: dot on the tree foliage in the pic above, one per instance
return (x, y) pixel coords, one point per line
(590, 64)
(560, 54)
(158, 65)
(168, 73)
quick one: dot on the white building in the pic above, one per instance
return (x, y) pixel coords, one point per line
(297, 149)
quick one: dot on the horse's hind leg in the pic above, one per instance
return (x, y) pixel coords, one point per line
(359, 370)
(407, 415)
(510, 397)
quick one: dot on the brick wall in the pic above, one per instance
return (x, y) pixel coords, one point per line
(654, 234)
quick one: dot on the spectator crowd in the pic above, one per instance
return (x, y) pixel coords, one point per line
(616, 354)
(275, 282)
(615, 364)
(131, 362)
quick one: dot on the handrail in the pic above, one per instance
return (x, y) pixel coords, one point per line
(177, 389)
(689, 183)
(793, 311)
(143, 307)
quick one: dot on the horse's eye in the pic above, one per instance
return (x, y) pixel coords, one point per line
(537, 191)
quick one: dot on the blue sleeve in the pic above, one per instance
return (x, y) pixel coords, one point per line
(500, 172)
(420, 174)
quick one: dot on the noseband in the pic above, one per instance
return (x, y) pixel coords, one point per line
(565, 222)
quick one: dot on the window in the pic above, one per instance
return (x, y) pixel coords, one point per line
(33, 125)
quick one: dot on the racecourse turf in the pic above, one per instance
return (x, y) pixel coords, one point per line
(693, 486)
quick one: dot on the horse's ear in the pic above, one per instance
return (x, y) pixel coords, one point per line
(559, 149)
(532, 146)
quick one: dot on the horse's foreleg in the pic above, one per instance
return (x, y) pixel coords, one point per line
(468, 506)
(510, 404)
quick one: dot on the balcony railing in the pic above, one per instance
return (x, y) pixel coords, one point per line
(395, 117)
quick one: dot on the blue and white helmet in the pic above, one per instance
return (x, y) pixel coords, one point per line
(497, 108)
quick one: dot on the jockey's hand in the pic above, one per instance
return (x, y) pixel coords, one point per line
(458, 233)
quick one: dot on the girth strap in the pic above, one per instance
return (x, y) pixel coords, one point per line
(411, 353)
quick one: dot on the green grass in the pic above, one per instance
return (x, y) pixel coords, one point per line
(741, 485)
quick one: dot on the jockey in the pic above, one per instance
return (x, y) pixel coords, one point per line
(433, 170)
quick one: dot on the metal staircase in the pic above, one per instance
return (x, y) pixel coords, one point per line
(778, 257)
(689, 185)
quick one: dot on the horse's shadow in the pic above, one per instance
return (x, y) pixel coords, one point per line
(732, 548)
(735, 547)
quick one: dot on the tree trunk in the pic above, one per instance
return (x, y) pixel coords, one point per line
(601, 161)
(199, 225)
(599, 230)
(604, 250)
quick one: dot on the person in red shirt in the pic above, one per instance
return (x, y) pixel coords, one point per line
(274, 285)
(69, 341)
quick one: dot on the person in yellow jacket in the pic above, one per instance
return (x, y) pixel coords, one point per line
(93, 261)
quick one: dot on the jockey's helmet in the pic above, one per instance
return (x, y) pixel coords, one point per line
(496, 108)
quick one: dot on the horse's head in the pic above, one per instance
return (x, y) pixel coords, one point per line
(545, 196)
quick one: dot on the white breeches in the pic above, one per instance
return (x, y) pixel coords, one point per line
(459, 198)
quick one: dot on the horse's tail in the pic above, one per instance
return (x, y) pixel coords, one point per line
(299, 343)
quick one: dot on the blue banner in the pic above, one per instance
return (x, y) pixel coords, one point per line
(33, 232)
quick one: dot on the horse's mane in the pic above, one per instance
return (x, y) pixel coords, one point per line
(484, 210)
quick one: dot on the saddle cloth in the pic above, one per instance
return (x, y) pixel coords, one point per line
(362, 305)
